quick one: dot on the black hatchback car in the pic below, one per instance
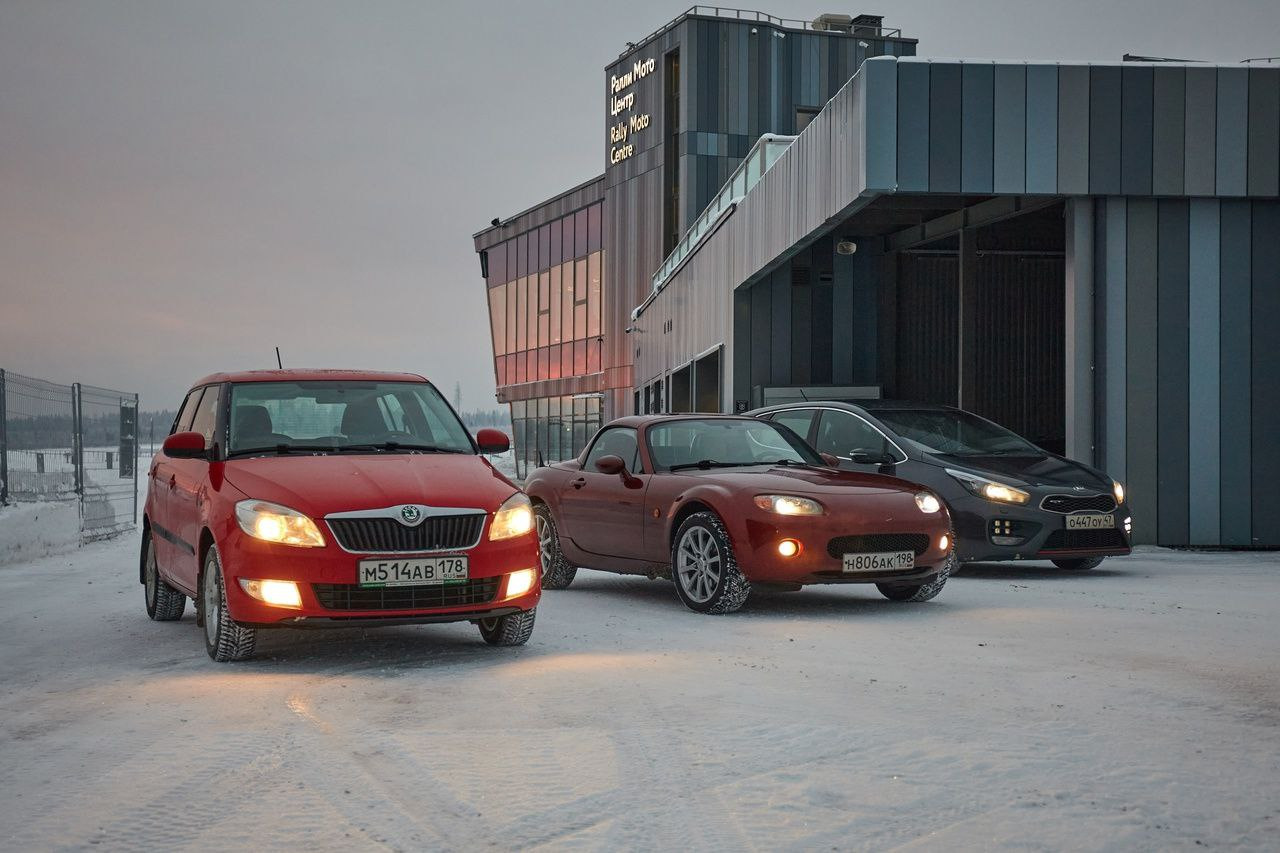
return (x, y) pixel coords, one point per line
(1009, 499)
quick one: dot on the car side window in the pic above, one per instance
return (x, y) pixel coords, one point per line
(797, 420)
(205, 421)
(182, 423)
(841, 434)
(618, 441)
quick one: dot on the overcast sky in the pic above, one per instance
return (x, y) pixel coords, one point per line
(185, 185)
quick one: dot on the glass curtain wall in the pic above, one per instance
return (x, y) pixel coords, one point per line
(546, 300)
(556, 427)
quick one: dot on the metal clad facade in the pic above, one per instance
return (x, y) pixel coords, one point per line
(1265, 390)
(1168, 137)
(1010, 129)
(1172, 371)
(976, 148)
(1235, 294)
(1073, 129)
(1204, 358)
(1042, 129)
(1107, 122)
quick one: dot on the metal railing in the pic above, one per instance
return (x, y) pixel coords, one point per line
(749, 15)
(64, 443)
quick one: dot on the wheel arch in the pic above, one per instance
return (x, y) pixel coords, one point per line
(142, 550)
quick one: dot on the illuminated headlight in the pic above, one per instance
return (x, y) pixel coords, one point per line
(275, 523)
(788, 505)
(513, 518)
(275, 593)
(1118, 491)
(927, 503)
(992, 490)
(518, 583)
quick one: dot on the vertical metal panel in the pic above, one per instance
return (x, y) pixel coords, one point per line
(913, 126)
(761, 361)
(866, 266)
(1073, 129)
(1264, 131)
(977, 154)
(1010, 140)
(1136, 130)
(843, 334)
(1168, 138)
(1078, 375)
(1266, 374)
(926, 336)
(801, 326)
(1141, 366)
(1042, 129)
(1172, 470)
(1201, 130)
(1105, 127)
(741, 355)
(1236, 285)
(779, 284)
(880, 129)
(945, 102)
(1203, 357)
(1114, 332)
(1232, 155)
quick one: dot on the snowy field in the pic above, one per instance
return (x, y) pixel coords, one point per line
(1136, 707)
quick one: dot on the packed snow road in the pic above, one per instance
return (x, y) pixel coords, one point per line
(1132, 707)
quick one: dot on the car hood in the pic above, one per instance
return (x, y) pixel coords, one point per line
(319, 485)
(784, 479)
(1032, 469)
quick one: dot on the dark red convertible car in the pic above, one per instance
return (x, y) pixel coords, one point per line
(720, 503)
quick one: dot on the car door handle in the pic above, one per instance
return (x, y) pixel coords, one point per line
(173, 480)
(578, 483)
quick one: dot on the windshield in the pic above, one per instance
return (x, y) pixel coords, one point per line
(954, 433)
(723, 443)
(338, 415)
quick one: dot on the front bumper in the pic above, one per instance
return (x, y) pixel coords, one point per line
(816, 563)
(1044, 533)
(326, 579)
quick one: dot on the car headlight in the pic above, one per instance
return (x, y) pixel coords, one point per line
(992, 490)
(789, 505)
(928, 503)
(513, 518)
(275, 523)
(1118, 491)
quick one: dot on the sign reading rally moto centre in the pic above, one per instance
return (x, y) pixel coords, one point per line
(625, 121)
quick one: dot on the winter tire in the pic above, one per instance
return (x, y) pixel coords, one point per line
(557, 572)
(164, 603)
(224, 639)
(1079, 565)
(704, 568)
(919, 592)
(510, 630)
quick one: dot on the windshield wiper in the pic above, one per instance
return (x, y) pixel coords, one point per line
(397, 445)
(705, 464)
(281, 449)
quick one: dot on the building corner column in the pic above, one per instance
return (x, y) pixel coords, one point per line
(1078, 351)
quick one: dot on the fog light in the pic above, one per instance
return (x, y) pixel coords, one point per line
(1128, 526)
(275, 593)
(788, 547)
(518, 583)
(944, 542)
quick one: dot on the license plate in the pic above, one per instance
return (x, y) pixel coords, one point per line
(412, 572)
(890, 560)
(1090, 521)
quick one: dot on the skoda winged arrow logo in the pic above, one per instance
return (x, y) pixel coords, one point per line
(411, 514)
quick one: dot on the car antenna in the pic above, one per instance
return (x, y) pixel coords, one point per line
(279, 363)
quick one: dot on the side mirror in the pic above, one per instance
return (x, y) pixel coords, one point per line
(866, 457)
(611, 465)
(830, 460)
(185, 445)
(493, 441)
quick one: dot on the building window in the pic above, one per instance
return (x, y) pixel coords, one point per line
(552, 429)
(682, 390)
(706, 383)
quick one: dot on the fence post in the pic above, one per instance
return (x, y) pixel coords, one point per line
(4, 445)
(137, 435)
(77, 441)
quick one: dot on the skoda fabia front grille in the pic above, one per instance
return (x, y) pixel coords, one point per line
(389, 536)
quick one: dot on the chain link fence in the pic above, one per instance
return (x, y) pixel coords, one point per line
(70, 443)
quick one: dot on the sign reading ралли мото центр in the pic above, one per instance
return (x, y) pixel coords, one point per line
(624, 120)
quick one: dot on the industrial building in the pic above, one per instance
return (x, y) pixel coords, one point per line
(1088, 254)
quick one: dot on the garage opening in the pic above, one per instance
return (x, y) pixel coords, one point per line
(1014, 371)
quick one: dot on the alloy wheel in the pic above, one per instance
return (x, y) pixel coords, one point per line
(545, 535)
(212, 602)
(150, 574)
(698, 564)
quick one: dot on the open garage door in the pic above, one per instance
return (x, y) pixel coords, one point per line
(1018, 280)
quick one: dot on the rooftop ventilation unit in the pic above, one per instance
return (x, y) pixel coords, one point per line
(868, 25)
(832, 22)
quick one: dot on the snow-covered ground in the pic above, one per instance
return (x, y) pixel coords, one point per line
(1132, 707)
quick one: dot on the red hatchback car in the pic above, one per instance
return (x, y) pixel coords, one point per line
(720, 504)
(304, 498)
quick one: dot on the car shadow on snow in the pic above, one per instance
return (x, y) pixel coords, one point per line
(1036, 571)
(819, 600)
